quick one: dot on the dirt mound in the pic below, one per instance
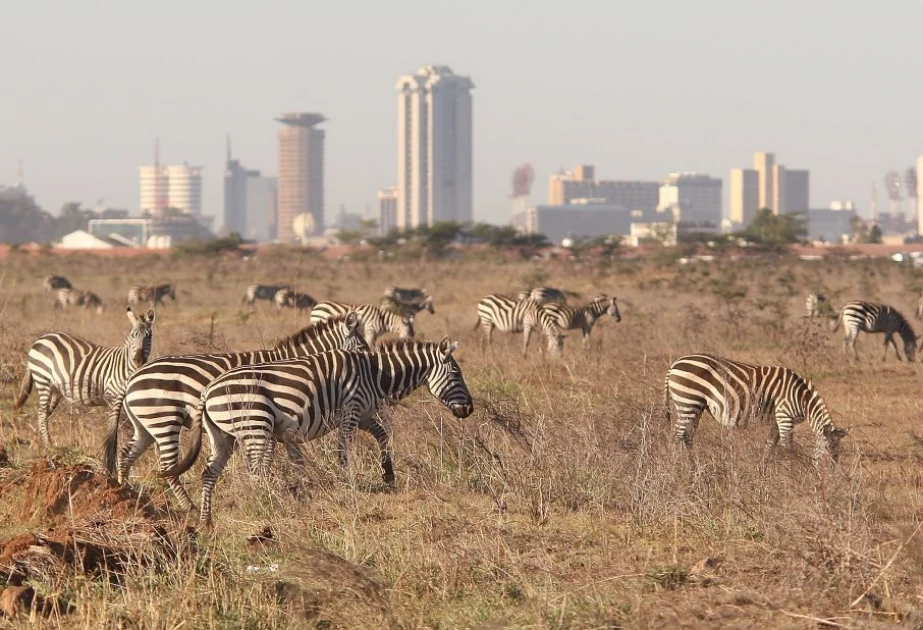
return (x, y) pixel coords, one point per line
(85, 523)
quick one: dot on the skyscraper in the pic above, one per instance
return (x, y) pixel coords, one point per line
(249, 201)
(153, 184)
(694, 197)
(387, 209)
(920, 195)
(581, 183)
(434, 151)
(301, 173)
(744, 192)
(763, 165)
(778, 188)
(184, 188)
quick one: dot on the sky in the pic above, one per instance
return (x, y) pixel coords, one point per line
(639, 89)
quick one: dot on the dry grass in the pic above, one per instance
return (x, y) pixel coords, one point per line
(560, 503)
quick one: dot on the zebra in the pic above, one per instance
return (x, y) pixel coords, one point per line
(875, 318)
(151, 294)
(74, 297)
(56, 282)
(509, 315)
(407, 309)
(920, 307)
(62, 366)
(376, 321)
(305, 398)
(262, 292)
(735, 393)
(406, 296)
(158, 398)
(543, 295)
(583, 318)
(286, 298)
(814, 304)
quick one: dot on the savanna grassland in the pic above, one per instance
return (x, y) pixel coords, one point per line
(561, 503)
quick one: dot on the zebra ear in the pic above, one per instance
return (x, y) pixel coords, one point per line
(131, 316)
(352, 320)
(150, 315)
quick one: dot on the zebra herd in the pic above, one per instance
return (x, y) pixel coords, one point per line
(335, 374)
(67, 296)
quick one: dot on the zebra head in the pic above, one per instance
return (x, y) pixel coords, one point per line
(832, 435)
(428, 305)
(353, 333)
(446, 383)
(140, 337)
(172, 291)
(404, 327)
(614, 310)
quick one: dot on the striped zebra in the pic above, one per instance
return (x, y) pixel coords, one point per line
(139, 294)
(513, 316)
(262, 292)
(50, 283)
(286, 298)
(159, 397)
(736, 393)
(813, 305)
(63, 367)
(875, 318)
(585, 317)
(66, 298)
(405, 296)
(304, 399)
(920, 307)
(407, 309)
(543, 295)
(376, 321)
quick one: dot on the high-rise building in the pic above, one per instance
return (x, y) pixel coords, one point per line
(387, 209)
(301, 173)
(920, 195)
(581, 183)
(694, 198)
(184, 188)
(434, 153)
(778, 188)
(744, 196)
(249, 201)
(153, 186)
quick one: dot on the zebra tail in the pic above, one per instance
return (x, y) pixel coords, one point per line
(666, 399)
(25, 388)
(477, 324)
(111, 444)
(193, 453)
(836, 323)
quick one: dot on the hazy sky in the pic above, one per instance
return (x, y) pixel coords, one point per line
(637, 88)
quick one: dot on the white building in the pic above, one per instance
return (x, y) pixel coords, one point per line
(177, 186)
(694, 198)
(387, 209)
(833, 224)
(582, 218)
(434, 153)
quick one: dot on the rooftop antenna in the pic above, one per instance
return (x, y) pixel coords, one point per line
(229, 147)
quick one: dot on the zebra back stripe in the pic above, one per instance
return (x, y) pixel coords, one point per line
(870, 317)
(375, 320)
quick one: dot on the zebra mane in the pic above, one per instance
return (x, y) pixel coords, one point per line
(308, 332)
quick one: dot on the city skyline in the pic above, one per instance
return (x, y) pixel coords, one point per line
(845, 112)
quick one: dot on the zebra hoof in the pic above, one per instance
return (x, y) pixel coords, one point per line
(388, 478)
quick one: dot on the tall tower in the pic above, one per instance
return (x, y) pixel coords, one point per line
(301, 173)
(435, 146)
(153, 184)
(184, 188)
(763, 165)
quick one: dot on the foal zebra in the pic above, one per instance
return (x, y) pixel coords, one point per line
(50, 283)
(376, 321)
(876, 318)
(151, 294)
(813, 305)
(509, 315)
(304, 399)
(159, 397)
(407, 309)
(74, 297)
(262, 292)
(544, 295)
(286, 298)
(585, 317)
(62, 366)
(736, 393)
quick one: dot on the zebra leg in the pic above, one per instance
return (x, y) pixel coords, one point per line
(168, 449)
(371, 425)
(785, 427)
(48, 400)
(771, 442)
(851, 340)
(489, 331)
(221, 445)
(140, 441)
(687, 420)
(889, 339)
(526, 336)
(347, 429)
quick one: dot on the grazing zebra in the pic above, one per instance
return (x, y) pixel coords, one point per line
(736, 393)
(509, 315)
(584, 318)
(62, 366)
(920, 308)
(376, 321)
(74, 297)
(262, 292)
(303, 399)
(543, 295)
(813, 305)
(405, 296)
(286, 298)
(875, 318)
(407, 309)
(56, 282)
(159, 397)
(151, 295)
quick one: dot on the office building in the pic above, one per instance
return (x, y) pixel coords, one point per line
(434, 153)
(833, 224)
(767, 185)
(581, 183)
(184, 188)
(695, 199)
(744, 196)
(579, 219)
(301, 174)
(153, 184)
(249, 202)
(387, 209)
